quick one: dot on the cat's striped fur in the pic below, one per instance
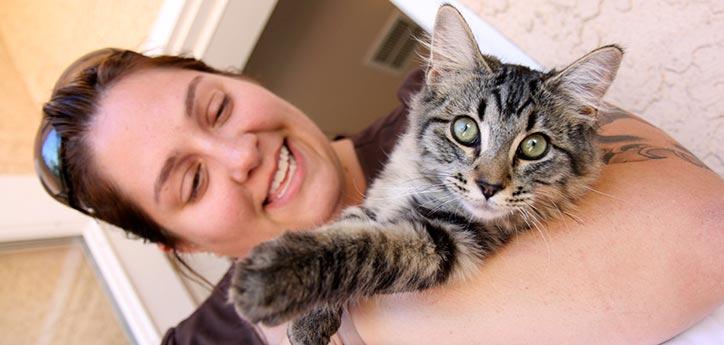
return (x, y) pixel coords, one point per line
(426, 218)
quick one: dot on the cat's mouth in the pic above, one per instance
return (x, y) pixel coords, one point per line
(485, 209)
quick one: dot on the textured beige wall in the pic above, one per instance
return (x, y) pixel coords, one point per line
(38, 39)
(672, 72)
(18, 118)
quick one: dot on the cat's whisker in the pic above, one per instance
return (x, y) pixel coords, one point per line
(536, 210)
(547, 198)
(617, 199)
(569, 212)
(396, 196)
(527, 214)
(405, 192)
(604, 194)
(444, 203)
(555, 208)
(575, 218)
(537, 223)
(535, 216)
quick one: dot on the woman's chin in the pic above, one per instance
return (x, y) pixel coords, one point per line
(316, 205)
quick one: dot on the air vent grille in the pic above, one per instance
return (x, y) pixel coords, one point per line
(396, 44)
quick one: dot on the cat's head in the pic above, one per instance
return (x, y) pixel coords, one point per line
(505, 139)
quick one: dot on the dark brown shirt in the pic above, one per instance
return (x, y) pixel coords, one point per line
(215, 321)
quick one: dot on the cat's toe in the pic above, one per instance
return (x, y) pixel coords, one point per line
(263, 287)
(316, 327)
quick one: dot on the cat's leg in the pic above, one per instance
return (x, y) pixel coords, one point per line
(315, 327)
(354, 257)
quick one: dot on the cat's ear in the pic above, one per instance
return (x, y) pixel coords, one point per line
(588, 78)
(453, 46)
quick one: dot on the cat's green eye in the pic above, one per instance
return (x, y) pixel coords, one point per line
(534, 146)
(465, 130)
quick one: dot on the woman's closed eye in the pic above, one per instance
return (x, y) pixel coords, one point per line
(196, 182)
(219, 109)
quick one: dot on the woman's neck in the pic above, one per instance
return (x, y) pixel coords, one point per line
(354, 183)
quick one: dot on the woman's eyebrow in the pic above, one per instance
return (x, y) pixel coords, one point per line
(191, 95)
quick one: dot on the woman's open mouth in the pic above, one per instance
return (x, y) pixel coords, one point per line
(284, 176)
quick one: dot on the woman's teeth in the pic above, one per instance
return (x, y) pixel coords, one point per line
(285, 170)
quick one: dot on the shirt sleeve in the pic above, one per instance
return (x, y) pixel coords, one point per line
(214, 322)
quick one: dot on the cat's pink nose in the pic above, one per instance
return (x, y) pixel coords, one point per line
(488, 189)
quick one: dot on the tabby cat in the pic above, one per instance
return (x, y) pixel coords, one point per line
(491, 148)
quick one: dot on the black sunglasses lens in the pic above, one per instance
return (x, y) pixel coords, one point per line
(49, 163)
(51, 152)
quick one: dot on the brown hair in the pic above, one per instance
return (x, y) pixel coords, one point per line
(71, 109)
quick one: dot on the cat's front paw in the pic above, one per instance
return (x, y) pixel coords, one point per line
(316, 327)
(271, 285)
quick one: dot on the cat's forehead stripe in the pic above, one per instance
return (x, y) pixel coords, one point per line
(481, 110)
(532, 117)
(513, 89)
(427, 124)
(525, 104)
(571, 160)
(533, 85)
(500, 78)
(511, 100)
(496, 97)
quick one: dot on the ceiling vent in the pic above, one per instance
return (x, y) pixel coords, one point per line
(395, 44)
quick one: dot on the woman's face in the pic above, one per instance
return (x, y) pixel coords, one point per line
(221, 162)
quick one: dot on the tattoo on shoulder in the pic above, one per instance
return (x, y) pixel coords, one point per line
(627, 152)
(632, 148)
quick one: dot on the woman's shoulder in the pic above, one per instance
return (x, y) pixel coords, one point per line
(643, 249)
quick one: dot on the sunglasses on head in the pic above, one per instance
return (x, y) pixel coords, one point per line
(50, 168)
(49, 145)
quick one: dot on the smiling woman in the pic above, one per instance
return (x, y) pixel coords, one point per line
(224, 152)
(189, 158)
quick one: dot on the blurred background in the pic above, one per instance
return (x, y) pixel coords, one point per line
(66, 280)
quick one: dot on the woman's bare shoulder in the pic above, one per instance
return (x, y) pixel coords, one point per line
(641, 258)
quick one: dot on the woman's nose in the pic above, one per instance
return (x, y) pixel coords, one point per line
(241, 156)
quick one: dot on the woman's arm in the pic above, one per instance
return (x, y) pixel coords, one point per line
(639, 261)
